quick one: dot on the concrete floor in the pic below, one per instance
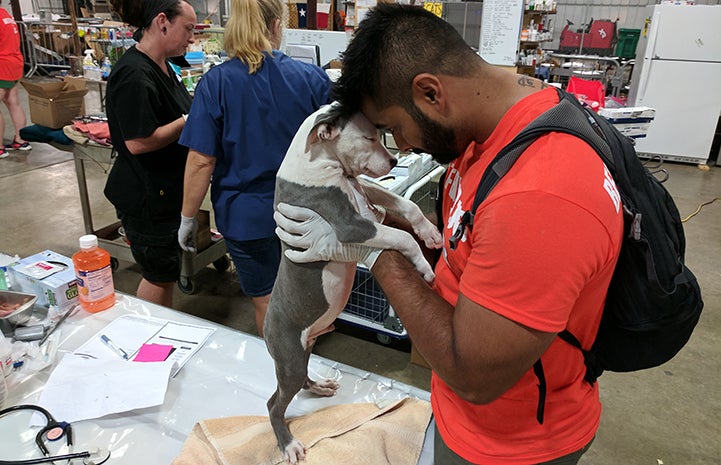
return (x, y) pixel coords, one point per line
(669, 415)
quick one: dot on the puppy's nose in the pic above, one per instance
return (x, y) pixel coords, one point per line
(394, 162)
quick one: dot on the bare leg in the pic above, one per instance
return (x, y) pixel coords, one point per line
(261, 307)
(159, 293)
(17, 114)
(3, 93)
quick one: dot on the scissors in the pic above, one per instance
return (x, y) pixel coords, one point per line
(53, 431)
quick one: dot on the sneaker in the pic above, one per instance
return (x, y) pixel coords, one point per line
(25, 146)
(3, 153)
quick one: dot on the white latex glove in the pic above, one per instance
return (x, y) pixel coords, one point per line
(187, 233)
(304, 229)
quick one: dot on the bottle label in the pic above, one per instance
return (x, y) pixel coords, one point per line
(95, 284)
(3, 279)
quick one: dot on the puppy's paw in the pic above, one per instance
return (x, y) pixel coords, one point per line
(430, 235)
(294, 452)
(423, 267)
(428, 275)
(325, 388)
(434, 240)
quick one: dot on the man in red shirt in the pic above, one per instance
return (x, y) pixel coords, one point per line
(538, 260)
(11, 70)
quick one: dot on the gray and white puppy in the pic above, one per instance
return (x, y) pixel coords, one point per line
(319, 172)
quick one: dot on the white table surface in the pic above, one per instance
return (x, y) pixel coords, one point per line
(231, 375)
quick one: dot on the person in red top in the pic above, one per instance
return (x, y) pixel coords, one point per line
(538, 260)
(11, 70)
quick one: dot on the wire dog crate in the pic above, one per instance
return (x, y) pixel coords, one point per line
(368, 306)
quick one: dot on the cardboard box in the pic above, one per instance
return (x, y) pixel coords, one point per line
(204, 238)
(55, 103)
(417, 358)
(54, 40)
(48, 275)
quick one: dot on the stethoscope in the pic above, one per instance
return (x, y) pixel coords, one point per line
(54, 431)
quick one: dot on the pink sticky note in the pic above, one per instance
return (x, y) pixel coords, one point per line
(153, 353)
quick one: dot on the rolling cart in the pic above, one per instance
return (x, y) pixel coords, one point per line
(109, 236)
(367, 306)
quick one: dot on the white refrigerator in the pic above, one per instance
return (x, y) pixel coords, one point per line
(678, 73)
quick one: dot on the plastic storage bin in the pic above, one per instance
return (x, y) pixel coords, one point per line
(627, 41)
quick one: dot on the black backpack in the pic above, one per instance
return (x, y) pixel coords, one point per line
(653, 301)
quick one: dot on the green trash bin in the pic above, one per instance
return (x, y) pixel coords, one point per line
(627, 41)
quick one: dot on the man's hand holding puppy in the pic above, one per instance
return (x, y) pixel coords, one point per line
(315, 239)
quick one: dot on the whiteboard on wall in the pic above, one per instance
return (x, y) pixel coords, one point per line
(331, 43)
(500, 31)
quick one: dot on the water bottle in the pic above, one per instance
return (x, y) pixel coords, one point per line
(106, 68)
(96, 290)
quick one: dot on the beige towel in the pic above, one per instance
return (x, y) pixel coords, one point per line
(349, 434)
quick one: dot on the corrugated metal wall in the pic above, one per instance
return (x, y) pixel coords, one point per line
(630, 13)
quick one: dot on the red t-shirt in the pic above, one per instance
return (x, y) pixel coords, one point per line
(11, 60)
(541, 253)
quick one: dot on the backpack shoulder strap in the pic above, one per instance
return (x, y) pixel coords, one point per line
(568, 116)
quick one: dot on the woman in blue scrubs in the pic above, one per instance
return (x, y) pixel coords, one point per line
(244, 115)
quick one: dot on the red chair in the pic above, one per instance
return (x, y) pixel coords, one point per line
(592, 93)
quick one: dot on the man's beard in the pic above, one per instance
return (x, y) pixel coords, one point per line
(438, 140)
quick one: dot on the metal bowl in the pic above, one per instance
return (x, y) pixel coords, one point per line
(15, 309)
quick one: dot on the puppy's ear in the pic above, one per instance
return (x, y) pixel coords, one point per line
(315, 136)
(321, 132)
(326, 126)
(312, 139)
(327, 131)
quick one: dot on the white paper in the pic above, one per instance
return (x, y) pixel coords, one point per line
(130, 332)
(82, 388)
(185, 339)
(42, 269)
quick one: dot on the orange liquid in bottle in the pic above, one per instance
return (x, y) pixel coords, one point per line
(96, 290)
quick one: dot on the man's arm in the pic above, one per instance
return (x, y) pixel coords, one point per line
(161, 137)
(477, 352)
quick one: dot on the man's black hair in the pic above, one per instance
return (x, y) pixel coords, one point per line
(392, 45)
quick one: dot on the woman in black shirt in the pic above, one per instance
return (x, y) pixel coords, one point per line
(146, 106)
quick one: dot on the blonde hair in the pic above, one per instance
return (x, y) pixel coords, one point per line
(248, 31)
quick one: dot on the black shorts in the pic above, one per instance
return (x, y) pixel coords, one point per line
(155, 248)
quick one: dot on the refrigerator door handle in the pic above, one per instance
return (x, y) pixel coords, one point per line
(653, 34)
(650, 55)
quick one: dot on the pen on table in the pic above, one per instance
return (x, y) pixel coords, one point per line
(68, 313)
(106, 340)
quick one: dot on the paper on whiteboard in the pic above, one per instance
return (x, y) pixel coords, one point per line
(500, 31)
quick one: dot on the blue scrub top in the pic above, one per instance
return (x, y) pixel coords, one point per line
(247, 123)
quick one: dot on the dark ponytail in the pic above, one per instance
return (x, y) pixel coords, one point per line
(140, 13)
